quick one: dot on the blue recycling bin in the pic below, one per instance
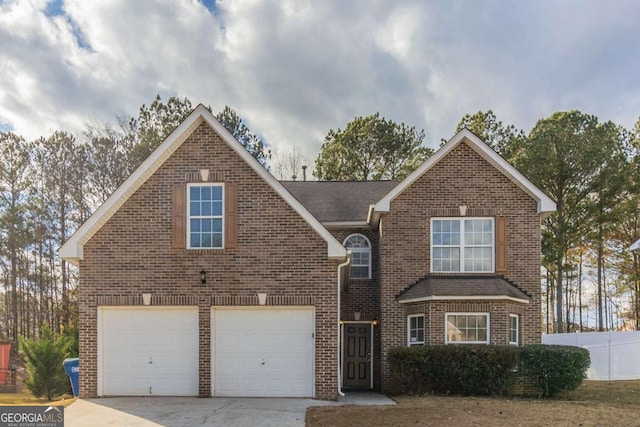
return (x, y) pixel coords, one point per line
(72, 367)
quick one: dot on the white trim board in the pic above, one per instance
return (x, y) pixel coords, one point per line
(545, 204)
(72, 250)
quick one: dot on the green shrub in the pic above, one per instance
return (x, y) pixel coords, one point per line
(454, 369)
(43, 358)
(72, 333)
(553, 367)
(482, 370)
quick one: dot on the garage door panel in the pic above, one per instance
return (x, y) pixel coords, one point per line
(263, 352)
(149, 351)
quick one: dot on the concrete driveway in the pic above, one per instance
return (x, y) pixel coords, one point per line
(193, 411)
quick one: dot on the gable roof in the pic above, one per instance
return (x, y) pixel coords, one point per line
(72, 250)
(339, 203)
(545, 204)
(635, 245)
(462, 288)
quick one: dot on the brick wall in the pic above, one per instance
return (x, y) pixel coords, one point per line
(461, 178)
(363, 295)
(277, 253)
(435, 313)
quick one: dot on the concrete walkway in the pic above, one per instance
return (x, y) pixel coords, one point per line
(193, 411)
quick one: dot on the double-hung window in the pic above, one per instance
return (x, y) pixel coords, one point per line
(205, 216)
(467, 328)
(462, 245)
(415, 329)
(514, 329)
(360, 248)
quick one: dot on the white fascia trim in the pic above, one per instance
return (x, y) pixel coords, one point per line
(334, 248)
(72, 249)
(635, 246)
(545, 204)
(464, 298)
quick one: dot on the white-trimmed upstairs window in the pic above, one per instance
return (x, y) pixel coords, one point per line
(514, 329)
(467, 328)
(415, 329)
(205, 207)
(462, 245)
(360, 248)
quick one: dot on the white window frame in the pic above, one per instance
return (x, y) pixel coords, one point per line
(517, 330)
(446, 327)
(424, 329)
(462, 245)
(189, 216)
(360, 250)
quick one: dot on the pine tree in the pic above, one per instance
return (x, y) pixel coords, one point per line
(43, 357)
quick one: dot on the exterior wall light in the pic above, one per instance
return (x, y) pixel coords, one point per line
(146, 299)
(262, 299)
(203, 276)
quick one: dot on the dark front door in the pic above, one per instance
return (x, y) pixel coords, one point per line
(356, 365)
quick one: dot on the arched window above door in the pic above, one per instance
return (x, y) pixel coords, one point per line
(360, 248)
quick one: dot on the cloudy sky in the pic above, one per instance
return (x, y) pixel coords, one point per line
(293, 69)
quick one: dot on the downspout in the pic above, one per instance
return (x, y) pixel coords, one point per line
(339, 289)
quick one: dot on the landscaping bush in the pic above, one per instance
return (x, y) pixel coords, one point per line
(553, 368)
(541, 370)
(454, 369)
(72, 333)
(43, 358)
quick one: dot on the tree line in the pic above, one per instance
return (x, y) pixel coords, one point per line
(589, 168)
(50, 186)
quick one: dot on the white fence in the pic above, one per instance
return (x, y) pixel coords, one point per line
(614, 355)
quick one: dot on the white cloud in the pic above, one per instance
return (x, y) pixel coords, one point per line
(296, 68)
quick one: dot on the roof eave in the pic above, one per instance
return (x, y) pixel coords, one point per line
(545, 205)
(72, 253)
(72, 250)
(464, 298)
(73, 247)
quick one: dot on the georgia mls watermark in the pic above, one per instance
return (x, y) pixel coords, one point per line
(31, 416)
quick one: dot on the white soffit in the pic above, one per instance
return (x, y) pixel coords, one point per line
(72, 250)
(545, 204)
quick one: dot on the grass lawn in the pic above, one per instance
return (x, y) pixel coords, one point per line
(25, 398)
(595, 403)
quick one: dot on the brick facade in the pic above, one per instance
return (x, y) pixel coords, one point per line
(462, 177)
(280, 254)
(277, 253)
(362, 296)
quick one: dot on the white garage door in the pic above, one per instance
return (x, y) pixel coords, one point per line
(148, 351)
(263, 352)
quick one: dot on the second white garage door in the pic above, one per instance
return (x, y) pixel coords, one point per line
(263, 352)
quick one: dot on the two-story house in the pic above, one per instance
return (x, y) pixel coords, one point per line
(204, 275)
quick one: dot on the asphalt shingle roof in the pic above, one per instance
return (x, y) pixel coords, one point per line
(337, 201)
(458, 286)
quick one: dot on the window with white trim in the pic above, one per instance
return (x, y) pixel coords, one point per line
(462, 245)
(467, 328)
(205, 216)
(360, 248)
(415, 329)
(514, 329)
